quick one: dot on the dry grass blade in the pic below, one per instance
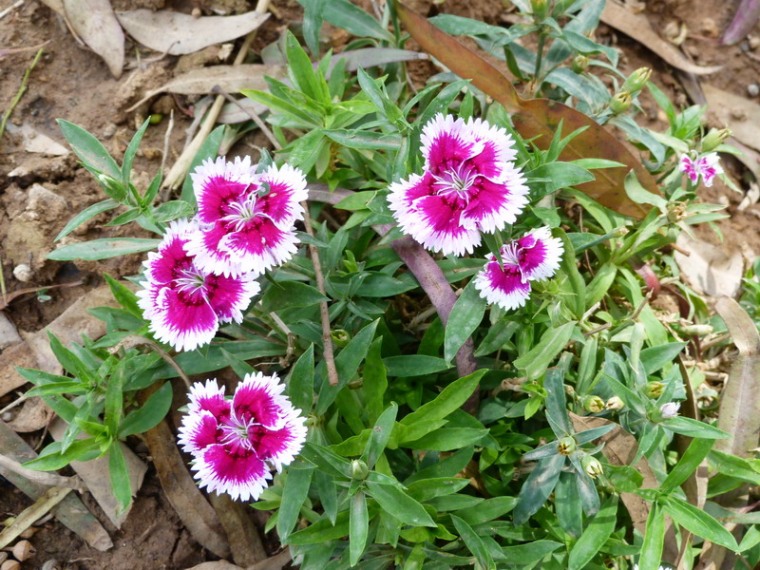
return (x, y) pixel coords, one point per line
(637, 27)
(538, 118)
(95, 23)
(28, 516)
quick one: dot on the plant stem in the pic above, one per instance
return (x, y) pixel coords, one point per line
(19, 93)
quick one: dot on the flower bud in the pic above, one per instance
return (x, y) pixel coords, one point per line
(580, 63)
(637, 80)
(340, 337)
(540, 9)
(669, 410)
(592, 466)
(566, 445)
(654, 389)
(359, 470)
(593, 404)
(714, 139)
(114, 188)
(615, 403)
(621, 102)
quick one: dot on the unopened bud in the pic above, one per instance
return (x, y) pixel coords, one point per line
(540, 9)
(114, 188)
(714, 139)
(593, 404)
(592, 466)
(636, 80)
(615, 403)
(669, 410)
(654, 389)
(620, 102)
(566, 445)
(359, 470)
(580, 63)
(340, 337)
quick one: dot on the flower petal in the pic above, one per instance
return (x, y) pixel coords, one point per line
(539, 254)
(280, 447)
(503, 287)
(230, 296)
(209, 397)
(183, 321)
(259, 398)
(239, 473)
(493, 205)
(219, 183)
(208, 254)
(496, 148)
(198, 431)
(287, 189)
(259, 245)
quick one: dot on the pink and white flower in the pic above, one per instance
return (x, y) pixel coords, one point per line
(184, 303)
(469, 185)
(236, 443)
(534, 257)
(247, 218)
(706, 165)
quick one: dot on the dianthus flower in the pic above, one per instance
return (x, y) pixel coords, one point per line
(469, 185)
(706, 165)
(235, 443)
(184, 303)
(669, 410)
(533, 257)
(246, 217)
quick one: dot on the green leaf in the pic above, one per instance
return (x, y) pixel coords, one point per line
(693, 428)
(312, 23)
(655, 357)
(71, 362)
(129, 154)
(381, 433)
(734, 466)
(125, 296)
(641, 195)
(114, 400)
(375, 381)
(577, 300)
(294, 493)
(408, 365)
(288, 294)
(119, 476)
(692, 457)
(343, 14)
(103, 249)
(539, 358)
(85, 215)
(172, 210)
(399, 505)
(326, 460)
(474, 543)
(596, 534)
(208, 150)
(361, 139)
(556, 403)
(447, 438)
(301, 381)
(52, 459)
(600, 284)
(698, 522)
(302, 73)
(358, 527)
(149, 414)
(556, 175)
(527, 555)
(90, 151)
(487, 510)
(538, 486)
(465, 316)
(654, 539)
(567, 505)
(450, 399)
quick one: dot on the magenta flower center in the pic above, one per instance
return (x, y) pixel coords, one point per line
(242, 212)
(236, 432)
(457, 180)
(191, 282)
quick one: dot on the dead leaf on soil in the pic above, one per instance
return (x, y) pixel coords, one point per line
(8, 333)
(216, 565)
(737, 113)
(35, 414)
(240, 111)
(539, 118)
(637, 27)
(71, 512)
(709, 268)
(193, 509)
(228, 78)
(95, 475)
(178, 34)
(243, 535)
(95, 23)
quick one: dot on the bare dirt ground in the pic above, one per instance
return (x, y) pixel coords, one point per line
(39, 192)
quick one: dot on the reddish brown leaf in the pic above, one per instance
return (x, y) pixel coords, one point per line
(539, 118)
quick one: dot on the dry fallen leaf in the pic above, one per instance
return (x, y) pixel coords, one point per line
(178, 34)
(735, 112)
(35, 414)
(637, 27)
(94, 22)
(709, 268)
(228, 78)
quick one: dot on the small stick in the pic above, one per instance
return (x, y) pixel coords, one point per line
(19, 93)
(39, 509)
(10, 8)
(41, 477)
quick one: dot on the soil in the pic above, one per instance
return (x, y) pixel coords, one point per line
(40, 192)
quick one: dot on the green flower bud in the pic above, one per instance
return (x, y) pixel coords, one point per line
(621, 102)
(566, 445)
(714, 139)
(580, 63)
(592, 466)
(540, 9)
(654, 389)
(359, 470)
(593, 404)
(340, 337)
(637, 80)
(615, 403)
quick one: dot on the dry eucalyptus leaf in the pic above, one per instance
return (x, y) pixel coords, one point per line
(178, 34)
(35, 414)
(228, 78)
(240, 111)
(637, 27)
(94, 22)
(709, 268)
(735, 112)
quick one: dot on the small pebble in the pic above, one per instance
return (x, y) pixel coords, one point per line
(23, 272)
(753, 89)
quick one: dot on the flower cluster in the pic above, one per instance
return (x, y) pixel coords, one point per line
(471, 185)
(236, 443)
(706, 166)
(204, 271)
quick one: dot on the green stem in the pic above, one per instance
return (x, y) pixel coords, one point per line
(539, 54)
